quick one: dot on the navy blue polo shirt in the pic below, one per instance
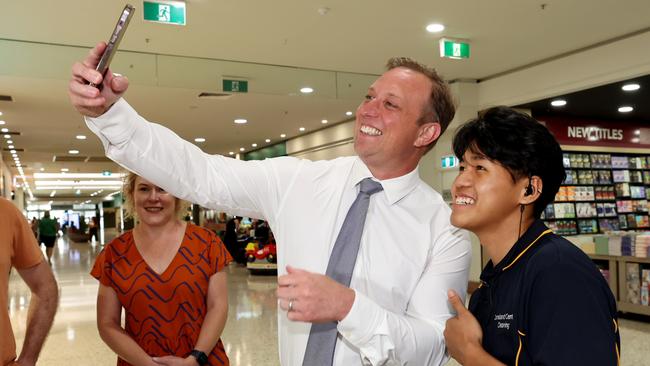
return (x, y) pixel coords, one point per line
(546, 303)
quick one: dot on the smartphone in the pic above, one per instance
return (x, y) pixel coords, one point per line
(114, 41)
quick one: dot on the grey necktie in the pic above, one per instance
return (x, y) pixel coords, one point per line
(322, 337)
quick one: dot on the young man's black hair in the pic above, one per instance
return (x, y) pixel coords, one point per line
(520, 144)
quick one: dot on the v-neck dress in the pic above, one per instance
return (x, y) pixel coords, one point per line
(164, 312)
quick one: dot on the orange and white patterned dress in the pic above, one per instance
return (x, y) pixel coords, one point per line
(164, 312)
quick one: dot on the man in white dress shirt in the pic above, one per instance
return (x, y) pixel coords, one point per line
(394, 311)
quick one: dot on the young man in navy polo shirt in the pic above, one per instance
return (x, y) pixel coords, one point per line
(541, 301)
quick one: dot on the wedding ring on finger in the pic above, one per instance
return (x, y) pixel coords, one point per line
(290, 305)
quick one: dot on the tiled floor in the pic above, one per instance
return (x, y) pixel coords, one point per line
(250, 337)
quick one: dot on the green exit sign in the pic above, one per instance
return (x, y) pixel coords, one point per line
(170, 12)
(449, 161)
(235, 86)
(454, 49)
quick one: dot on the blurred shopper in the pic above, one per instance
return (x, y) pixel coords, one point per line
(19, 249)
(47, 230)
(542, 301)
(93, 229)
(167, 276)
(357, 289)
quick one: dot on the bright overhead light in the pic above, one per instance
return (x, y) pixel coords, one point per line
(254, 145)
(323, 121)
(302, 129)
(558, 103)
(7, 136)
(5, 130)
(241, 149)
(0, 113)
(625, 109)
(10, 141)
(283, 135)
(12, 151)
(75, 183)
(73, 152)
(53, 194)
(199, 139)
(42, 169)
(306, 90)
(2, 123)
(231, 153)
(11, 146)
(348, 113)
(80, 137)
(240, 121)
(14, 155)
(65, 169)
(267, 140)
(435, 28)
(631, 87)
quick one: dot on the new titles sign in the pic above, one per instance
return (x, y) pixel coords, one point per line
(455, 49)
(570, 131)
(169, 12)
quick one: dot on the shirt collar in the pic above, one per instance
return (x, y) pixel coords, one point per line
(395, 188)
(527, 241)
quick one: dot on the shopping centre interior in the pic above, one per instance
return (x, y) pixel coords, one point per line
(259, 79)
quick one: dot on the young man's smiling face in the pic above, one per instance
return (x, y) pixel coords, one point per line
(484, 194)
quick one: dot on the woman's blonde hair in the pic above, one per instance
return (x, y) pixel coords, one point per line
(128, 190)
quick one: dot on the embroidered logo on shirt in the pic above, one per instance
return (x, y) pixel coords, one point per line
(504, 320)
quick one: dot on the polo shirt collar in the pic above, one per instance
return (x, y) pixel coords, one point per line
(395, 188)
(527, 241)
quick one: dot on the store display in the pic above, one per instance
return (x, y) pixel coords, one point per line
(601, 193)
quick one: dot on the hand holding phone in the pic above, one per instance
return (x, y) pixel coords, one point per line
(114, 41)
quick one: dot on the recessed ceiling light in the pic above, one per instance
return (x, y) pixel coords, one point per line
(306, 90)
(42, 169)
(0, 113)
(73, 152)
(7, 136)
(12, 151)
(631, 87)
(301, 129)
(348, 113)
(241, 149)
(435, 28)
(14, 155)
(2, 123)
(231, 153)
(558, 103)
(80, 137)
(323, 121)
(240, 121)
(254, 145)
(199, 139)
(5, 130)
(625, 109)
(267, 140)
(636, 140)
(283, 136)
(11, 146)
(10, 142)
(65, 169)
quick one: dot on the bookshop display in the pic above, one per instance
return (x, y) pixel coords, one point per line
(601, 193)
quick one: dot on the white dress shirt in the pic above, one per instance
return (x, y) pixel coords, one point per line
(409, 257)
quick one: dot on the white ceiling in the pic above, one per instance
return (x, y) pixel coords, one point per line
(339, 52)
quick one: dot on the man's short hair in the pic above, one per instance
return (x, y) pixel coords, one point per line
(441, 108)
(517, 142)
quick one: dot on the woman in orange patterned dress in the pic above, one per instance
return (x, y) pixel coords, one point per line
(168, 277)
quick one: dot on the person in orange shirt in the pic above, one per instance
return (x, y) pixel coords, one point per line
(167, 276)
(19, 249)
